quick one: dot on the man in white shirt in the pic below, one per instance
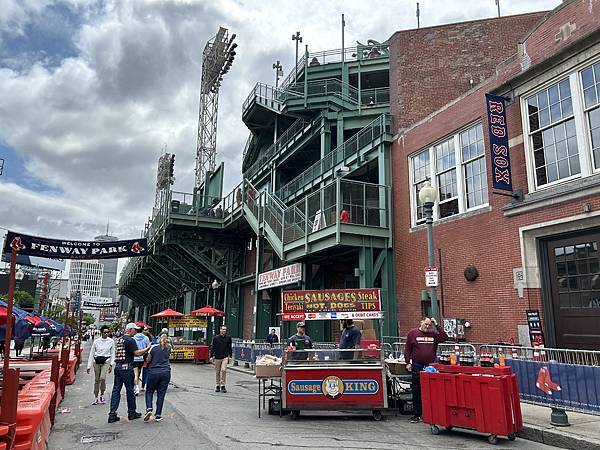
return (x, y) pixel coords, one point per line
(102, 357)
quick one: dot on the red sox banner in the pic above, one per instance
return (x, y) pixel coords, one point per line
(65, 249)
(498, 134)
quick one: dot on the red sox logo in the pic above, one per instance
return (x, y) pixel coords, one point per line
(16, 244)
(137, 248)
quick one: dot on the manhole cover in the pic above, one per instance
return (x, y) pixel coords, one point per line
(100, 437)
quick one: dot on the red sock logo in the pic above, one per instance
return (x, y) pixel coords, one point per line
(545, 383)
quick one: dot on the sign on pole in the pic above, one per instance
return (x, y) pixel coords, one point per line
(431, 276)
(280, 277)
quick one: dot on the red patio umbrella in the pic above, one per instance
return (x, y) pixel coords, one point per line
(208, 311)
(141, 324)
(168, 313)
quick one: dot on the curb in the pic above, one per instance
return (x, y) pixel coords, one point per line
(552, 436)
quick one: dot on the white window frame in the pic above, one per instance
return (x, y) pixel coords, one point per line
(460, 177)
(586, 122)
(582, 129)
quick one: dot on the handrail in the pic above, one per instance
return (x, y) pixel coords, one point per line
(250, 143)
(285, 137)
(349, 147)
(335, 55)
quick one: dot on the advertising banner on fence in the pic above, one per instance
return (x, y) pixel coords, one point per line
(98, 302)
(182, 352)
(188, 322)
(498, 138)
(331, 304)
(64, 249)
(343, 388)
(280, 277)
(569, 386)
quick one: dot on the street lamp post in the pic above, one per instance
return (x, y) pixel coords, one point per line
(428, 196)
(296, 37)
(278, 72)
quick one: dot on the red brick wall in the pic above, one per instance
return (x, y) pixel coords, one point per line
(431, 66)
(489, 240)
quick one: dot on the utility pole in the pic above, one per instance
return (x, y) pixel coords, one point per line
(278, 72)
(343, 26)
(498, 5)
(296, 37)
(418, 16)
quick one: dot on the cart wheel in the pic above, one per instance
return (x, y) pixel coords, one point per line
(377, 415)
(493, 439)
(435, 429)
(294, 414)
(512, 436)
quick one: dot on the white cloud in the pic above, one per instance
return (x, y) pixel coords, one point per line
(93, 127)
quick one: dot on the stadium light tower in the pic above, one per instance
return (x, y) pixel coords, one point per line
(217, 58)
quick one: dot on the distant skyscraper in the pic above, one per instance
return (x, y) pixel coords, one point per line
(86, 277)
(109, 275)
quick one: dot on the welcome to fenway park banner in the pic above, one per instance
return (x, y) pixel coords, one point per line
(63, 249)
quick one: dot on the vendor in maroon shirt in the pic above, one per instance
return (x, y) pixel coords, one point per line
(419, 352)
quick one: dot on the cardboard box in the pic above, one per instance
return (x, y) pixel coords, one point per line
(398, 368)
(369, 335)
(267, 371)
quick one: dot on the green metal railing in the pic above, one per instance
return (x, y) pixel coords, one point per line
(286, 137)
(375, 97)
(361, 52)
(350, 147)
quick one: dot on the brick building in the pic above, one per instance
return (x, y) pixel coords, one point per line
(537, 251)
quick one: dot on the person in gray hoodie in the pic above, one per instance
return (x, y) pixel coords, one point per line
(142, 342)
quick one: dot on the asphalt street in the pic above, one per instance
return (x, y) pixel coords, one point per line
(196, 417)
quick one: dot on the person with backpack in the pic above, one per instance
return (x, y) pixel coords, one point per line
(102, 357)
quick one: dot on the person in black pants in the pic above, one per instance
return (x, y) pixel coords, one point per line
(420, 351)
(125, 349)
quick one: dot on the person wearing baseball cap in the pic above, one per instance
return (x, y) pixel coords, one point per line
(299, 341)
(125, 351)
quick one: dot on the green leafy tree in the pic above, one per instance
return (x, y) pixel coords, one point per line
(88, 319)
(24, 300)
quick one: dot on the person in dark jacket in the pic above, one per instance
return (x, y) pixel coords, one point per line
(272, 338)
(420, 351)
(220, 352)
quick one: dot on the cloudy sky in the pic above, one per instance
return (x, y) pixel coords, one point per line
(91, 91)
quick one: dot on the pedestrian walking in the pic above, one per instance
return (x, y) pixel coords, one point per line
(125, 350)
(159, 376)
(420, 351)
(220, 352)
(142, 341)
(300, 341)
(102, 357)
(144, 368)
(19, 344)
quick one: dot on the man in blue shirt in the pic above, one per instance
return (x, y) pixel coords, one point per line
(349, 338)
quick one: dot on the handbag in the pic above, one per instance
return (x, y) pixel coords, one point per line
(100, 359)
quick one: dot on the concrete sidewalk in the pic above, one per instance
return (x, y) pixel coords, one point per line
(79, 424)
(583, 434)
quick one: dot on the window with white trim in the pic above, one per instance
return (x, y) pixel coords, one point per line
(552, 133)
(590, 80)
(562, 123)
(457, 167)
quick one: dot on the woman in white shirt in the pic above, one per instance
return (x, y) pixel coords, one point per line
(102, 357)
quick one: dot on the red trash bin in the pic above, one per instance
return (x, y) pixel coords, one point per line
(201, 354)
(476, 398)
